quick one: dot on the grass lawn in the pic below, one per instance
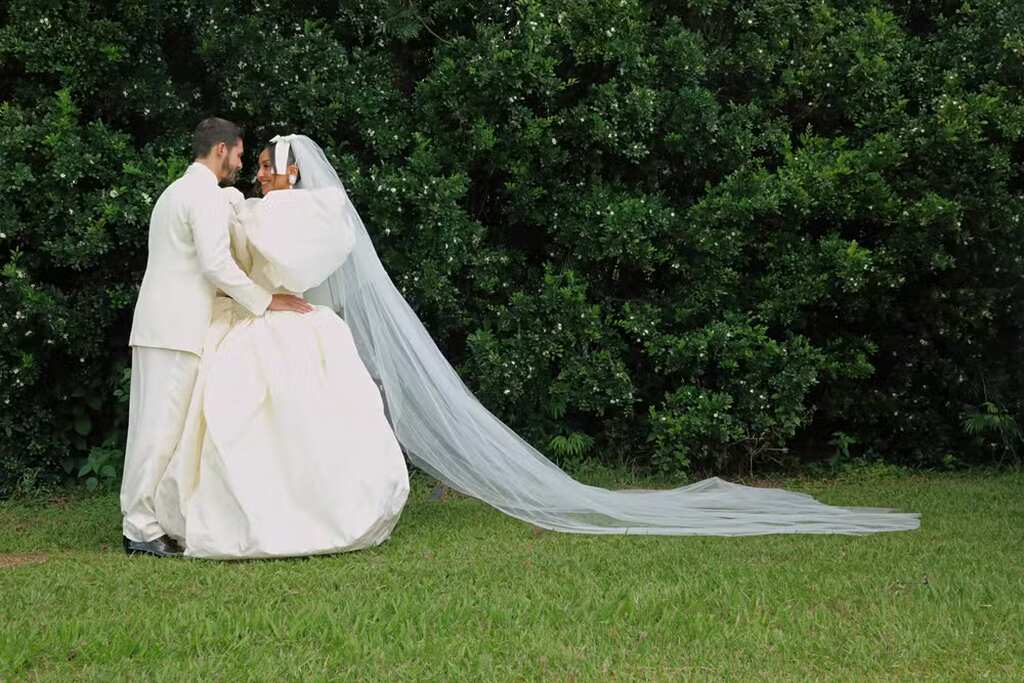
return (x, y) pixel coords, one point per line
(462, 592)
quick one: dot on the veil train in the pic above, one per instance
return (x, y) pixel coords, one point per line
(449, 434)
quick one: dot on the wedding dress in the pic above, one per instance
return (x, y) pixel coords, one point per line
(286, 448)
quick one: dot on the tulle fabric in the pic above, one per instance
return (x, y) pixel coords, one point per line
(446, 432)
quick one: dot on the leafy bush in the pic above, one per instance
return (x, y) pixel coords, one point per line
(690, 235)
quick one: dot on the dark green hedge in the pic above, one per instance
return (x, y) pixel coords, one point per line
(685, 235)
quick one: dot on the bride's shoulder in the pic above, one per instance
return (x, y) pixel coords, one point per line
(237, 200)
(300, 193)
(321, 196)
(232, 195)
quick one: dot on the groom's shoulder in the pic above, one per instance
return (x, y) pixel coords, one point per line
(172, 194)
(180, 197)
(191, 186)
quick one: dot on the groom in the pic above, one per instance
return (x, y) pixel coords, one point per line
(189, 261)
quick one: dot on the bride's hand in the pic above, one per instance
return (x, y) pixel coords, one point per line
(289, 302)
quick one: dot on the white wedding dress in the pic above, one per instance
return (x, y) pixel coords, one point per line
(286, 449)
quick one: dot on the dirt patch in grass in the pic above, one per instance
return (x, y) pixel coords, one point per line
(18, 559)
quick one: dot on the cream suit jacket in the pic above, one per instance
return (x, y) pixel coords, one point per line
(189, 260)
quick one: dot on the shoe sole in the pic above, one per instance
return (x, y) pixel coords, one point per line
(130, 550)
(151, 553)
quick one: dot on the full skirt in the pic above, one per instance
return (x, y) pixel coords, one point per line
(286, 448)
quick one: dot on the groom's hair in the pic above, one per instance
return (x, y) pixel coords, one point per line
(211, 132)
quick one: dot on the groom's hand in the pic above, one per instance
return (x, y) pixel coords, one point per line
(289, 302)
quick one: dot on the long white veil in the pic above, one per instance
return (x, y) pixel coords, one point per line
(449, 434)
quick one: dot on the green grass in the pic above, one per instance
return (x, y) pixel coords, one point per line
(462, 592)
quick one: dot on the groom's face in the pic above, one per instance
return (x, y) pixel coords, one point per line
(231, 163)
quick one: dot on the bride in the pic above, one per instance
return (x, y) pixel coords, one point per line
(287, 448)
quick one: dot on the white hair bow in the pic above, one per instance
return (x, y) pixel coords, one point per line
(283, 144)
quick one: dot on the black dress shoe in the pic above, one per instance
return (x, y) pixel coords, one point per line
(165, 546)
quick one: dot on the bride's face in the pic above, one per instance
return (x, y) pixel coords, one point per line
(268, 180)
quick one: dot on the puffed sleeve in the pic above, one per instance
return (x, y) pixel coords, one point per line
(304, 235)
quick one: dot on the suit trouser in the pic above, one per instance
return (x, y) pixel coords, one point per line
(162, 382)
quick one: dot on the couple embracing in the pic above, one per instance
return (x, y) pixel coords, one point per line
(268, 339)
(254, 428)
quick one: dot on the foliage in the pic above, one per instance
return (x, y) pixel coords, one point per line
(688, 235)
(992, 420)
